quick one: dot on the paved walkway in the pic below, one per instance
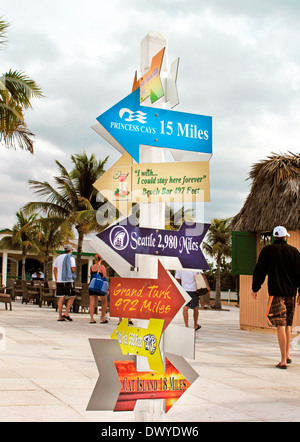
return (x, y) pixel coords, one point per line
(48, 373)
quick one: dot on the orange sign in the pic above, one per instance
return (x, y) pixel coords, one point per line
(150, 84)
(136, 385)
(146, 298)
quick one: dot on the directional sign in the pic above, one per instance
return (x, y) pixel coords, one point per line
(120, 385)
(141, 341)
(129, 183)
(135, 385)
(143, 298)
(150, 84)
(128, 240)
(132, 125)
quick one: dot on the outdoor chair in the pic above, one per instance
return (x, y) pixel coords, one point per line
(82, 300)
(5, 296)
(30, 293)
(18, 290)
(47, 294)
(10, 288)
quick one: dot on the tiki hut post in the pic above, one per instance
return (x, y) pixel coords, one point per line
(274, 199)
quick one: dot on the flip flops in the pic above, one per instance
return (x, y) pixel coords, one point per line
(282, 366)
(198, 327)
(68, 318)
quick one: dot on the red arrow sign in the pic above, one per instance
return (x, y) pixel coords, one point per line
(136, 385)
(146, 298)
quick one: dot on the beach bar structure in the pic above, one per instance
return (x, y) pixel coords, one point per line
(274, 199)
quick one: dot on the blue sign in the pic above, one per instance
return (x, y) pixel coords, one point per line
(127, 240)
(132, 124)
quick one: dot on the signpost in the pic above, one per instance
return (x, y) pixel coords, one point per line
(137, 365)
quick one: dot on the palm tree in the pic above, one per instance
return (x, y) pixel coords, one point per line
(218, 246)
(86, 171)
(16, 92)
(50, 233)
(173, 220)
(66, 200)
(21, 237)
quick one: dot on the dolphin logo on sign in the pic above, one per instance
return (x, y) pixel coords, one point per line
(139, 116)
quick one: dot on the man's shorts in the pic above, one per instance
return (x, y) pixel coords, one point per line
(193, 303)
(281, 311)
(65, 289)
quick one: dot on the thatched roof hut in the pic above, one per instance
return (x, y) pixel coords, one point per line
(274, 198)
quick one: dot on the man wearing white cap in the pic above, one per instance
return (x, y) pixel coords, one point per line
(64, 268)
(281, 262)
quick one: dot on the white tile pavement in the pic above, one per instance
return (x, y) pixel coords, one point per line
(48, 373)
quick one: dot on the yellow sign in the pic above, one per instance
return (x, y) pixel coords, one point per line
(114, 181)
(126, 183)
(171, 182)
(141, 342)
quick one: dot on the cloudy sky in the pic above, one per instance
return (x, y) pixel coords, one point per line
(239, 63)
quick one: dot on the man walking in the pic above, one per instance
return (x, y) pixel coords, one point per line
(281, 262)
(187, 280)
(64, 268)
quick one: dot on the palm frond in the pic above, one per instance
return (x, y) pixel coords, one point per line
(3, 28)
(21, 88)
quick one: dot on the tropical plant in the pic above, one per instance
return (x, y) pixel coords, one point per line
(21, 237)
(50, 233)
(3, 28)
(16, 93)
(218, 246)
(72, 198)
(174, 220)
(86, 171)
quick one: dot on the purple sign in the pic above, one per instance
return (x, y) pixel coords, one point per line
(127, 240)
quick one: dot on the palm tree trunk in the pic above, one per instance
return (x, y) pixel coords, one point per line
(46, 257)
(79, 251)
(218, 304)
(23, 265)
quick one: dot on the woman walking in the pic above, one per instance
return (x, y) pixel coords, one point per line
(97, 267)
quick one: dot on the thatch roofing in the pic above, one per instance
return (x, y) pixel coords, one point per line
(274, 198)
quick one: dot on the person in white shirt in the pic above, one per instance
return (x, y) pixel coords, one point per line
(64, 268)
(187, 280)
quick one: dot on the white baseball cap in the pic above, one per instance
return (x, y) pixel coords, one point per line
(280, 232)
(68, 248)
